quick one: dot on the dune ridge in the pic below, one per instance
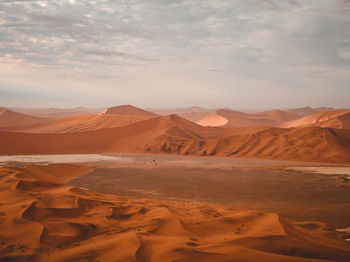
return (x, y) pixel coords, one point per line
(175, 135)
(48, 220)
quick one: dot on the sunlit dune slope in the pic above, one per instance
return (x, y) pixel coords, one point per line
(175, 135)
(9, 118)
(44, 219)
(334, 119)
(230, 118)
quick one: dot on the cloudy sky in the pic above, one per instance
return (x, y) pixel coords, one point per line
(171, 53)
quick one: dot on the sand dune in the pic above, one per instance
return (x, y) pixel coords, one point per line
(128, 110)
(10, 118)
(230, 118)
(58, 113)
(175, 135)
(82, 123)
(307, 110)
(194, 113)
(334, 119)
(113, 117)
(48, 220)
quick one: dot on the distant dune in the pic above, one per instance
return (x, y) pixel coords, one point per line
(128, 110)
(305, 111)
(230, 118)
(10, 118)
(334, 119)
(45, 219)
(194, 113)
(175, 135)
(57, 113)
(107, 119)
(82, 123)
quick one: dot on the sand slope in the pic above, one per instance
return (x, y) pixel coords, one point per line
(175, 135)
(334, 119)
(230, 118)
(10, 118)
(44, 219)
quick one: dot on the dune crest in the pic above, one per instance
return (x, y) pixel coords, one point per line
(50, 220)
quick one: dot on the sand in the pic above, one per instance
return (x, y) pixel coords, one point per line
(44, 219)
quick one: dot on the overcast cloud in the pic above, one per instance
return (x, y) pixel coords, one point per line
(166, 53)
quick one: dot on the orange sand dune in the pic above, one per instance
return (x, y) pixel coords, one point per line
(48, 220)
(230, 118)
(128, 110)
(82, 123)
(334, 119)
(9, 118)
(175, 135)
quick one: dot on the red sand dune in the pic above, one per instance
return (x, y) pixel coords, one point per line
(10, 118)
(128, 110)
(44, 219)
(334, 119)
(240, 119)
(175, 135)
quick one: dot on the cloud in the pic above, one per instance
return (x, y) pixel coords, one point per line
(148, 46)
